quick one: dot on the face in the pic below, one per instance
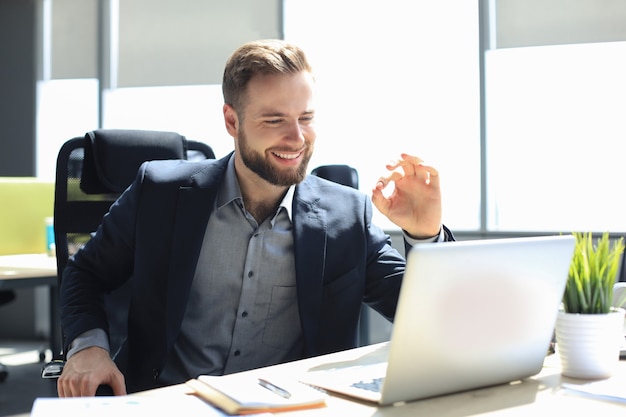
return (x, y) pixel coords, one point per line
(275, 135)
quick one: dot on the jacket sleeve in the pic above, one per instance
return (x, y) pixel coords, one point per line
(102, 265)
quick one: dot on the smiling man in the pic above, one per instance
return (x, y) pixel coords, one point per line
(244, 261)
(272, 123)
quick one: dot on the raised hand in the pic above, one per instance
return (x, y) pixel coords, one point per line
(415, 202)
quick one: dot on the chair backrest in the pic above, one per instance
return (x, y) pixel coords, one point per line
(92, 171)
(342, 174)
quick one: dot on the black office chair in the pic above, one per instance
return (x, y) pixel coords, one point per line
(92, 171)
(6, 296)
(342, 174)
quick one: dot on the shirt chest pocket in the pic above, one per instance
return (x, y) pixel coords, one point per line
(282, 324)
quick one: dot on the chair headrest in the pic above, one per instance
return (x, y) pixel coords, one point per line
(342, 174)
(112, 156)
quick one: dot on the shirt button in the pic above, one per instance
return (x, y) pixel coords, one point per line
(237, 352)
(250, 274)
(244, 314)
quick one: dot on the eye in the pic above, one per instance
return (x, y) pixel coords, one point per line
(273, 121)
(307, 119)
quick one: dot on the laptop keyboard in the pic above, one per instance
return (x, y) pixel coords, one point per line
(374, 385)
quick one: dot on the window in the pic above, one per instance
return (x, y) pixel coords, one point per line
(518, 105)
(397, 77)
(67, 86)
(554, 115)
(144, 64)
(168, 58)
(555, 125)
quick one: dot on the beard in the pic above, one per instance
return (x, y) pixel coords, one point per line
(261, 166)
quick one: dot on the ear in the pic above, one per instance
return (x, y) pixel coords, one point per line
(230, 120)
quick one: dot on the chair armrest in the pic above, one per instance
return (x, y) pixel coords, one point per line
(53, 369)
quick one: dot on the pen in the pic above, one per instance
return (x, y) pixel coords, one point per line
(274, 388)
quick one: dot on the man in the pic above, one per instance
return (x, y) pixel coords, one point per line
(245, 261)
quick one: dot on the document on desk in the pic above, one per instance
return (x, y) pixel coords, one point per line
(607, 390)
(123, 406)
(246, 394)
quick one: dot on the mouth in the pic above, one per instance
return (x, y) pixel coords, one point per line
(288, 156)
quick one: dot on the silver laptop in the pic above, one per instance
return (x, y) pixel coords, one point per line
(471, 314)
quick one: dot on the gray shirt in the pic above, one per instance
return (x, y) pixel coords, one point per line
(242, 311)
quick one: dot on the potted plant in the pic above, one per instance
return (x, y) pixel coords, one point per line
(589, 329)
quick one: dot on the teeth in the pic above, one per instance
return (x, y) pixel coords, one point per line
(286, 156)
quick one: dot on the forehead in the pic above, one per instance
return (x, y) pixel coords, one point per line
(280, 92)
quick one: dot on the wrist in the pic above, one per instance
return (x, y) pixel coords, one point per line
(414, 239)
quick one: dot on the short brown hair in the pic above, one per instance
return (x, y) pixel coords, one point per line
(263, 57)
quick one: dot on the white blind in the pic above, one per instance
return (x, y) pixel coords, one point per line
(187, 42)
(74, 39)
(522, 23)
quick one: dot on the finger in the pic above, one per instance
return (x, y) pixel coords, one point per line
(411, 158)
(423, 166)
(421, 169)
(77, 385)
(87, 388)
(409, 164)
(402, 166)
(427, 173)
(60, 389)
(118, 384)
(380, 202)
(384, 180)
(64, 388)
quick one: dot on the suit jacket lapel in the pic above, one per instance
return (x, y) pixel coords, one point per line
(194, 206)
(309, 223)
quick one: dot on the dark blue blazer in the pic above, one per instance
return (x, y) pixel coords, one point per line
(154, 233)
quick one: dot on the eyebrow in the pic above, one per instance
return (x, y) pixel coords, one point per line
(279, 114)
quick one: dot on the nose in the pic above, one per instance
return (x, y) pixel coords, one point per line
(295, 132)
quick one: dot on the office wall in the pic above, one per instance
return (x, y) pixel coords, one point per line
(17, 88)
(17, 132)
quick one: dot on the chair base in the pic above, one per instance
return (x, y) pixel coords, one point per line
(4, 373)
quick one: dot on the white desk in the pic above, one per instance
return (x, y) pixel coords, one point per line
(28, 270)
(33, 270)
(540, 395)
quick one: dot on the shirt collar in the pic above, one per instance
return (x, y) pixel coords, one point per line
(230, 192)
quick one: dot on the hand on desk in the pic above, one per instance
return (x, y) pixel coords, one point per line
(88, 369)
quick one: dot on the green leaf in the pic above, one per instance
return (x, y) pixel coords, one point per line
(592, 274)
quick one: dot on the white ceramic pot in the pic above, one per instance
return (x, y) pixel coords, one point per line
(589, 344)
